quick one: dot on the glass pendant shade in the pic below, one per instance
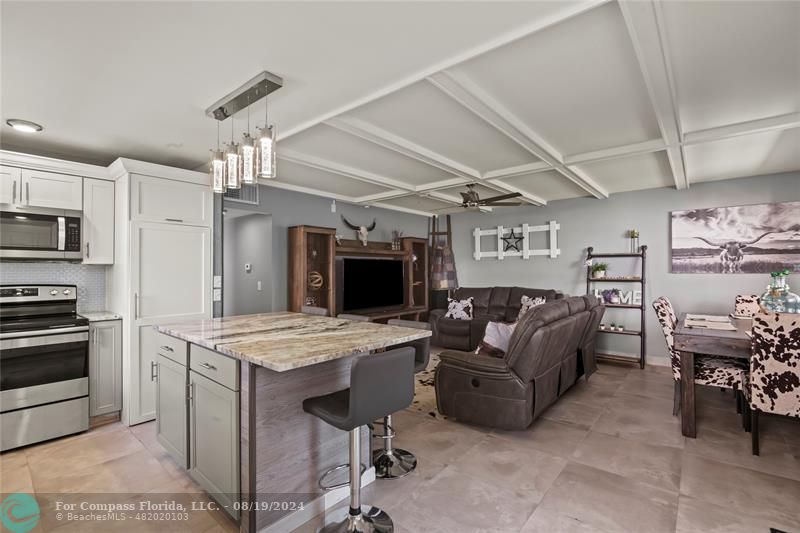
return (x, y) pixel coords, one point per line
(217, 171)
(233, 180)
(247, 167)
(265, 153)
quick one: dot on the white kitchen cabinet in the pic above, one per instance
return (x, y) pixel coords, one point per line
(163, 200)
(172, 408)
(214, 439)
(105, 367)
(10, 184)
(170, 282)
(98, 222)
(48, 189)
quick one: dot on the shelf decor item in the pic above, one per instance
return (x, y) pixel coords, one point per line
(599, 270)
(362, 232)
(507, 241)
(633, 235)
(396, 236)
(778, 298)
(612, 296)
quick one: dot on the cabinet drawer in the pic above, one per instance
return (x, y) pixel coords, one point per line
(172, 348)
(220, 368)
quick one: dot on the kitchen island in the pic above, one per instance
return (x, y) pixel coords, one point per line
(261, 368)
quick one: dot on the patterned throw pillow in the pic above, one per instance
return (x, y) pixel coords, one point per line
(459, 309)
(529, 303)
(495, 340)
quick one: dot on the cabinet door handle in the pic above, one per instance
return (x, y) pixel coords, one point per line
(174, 219)
(135, 305)
(208, 366)
(190, 392)
(14, 192)
(28, 193)
(87, 251)
(153, 371)
(167, 348)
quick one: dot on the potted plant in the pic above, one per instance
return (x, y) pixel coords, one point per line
(599, 270)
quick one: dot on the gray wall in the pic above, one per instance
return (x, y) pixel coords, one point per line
(247, 239)
(290, 208)
(602, 224)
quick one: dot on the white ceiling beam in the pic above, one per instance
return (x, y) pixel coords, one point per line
(341, 170)
(371, 133)
(403, 209)
(649, 43)
(468, 94)
(305, 190)
(519, 170)
(646, 147)
(379, 196)
(569, 11)
(503, 187)
(780, 122)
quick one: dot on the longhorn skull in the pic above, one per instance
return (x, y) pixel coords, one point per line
(731, 256)
(361, 231)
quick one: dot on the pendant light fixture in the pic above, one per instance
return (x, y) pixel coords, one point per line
(232, 176)
(253, 158)
(217, 168)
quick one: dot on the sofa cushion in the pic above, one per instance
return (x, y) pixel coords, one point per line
(495, 339)
(527, 303)
(515, 297)
(498, 300)
(460, 309)
(479, 295)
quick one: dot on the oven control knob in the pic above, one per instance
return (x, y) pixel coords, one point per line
(53, 292)
(67, 292)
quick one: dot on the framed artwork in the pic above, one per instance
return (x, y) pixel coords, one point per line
(758, 238)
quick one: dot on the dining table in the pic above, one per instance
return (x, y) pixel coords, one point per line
(691, 341)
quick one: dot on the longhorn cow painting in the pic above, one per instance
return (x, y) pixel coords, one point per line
(759, 238)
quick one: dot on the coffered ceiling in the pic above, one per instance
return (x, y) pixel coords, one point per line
(399, 105)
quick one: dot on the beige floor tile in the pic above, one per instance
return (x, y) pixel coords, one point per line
(764, 496)
(75, 454)
(579, 414)
(697, 516)
(591, 392)
(659, 466)
(512, 465)
(554, 438)
(441, 441)
(648, 384)
(640, 418)
(453, 501)
(587, 499)
(14, 473)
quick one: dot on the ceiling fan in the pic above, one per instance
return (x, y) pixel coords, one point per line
(472, 200)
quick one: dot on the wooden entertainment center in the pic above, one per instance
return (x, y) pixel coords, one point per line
(312, 272)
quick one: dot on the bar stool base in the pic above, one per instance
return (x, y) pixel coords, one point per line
(393, 464)
(371, 520)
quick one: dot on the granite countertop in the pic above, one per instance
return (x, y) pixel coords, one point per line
(99, 316)
(286, 341)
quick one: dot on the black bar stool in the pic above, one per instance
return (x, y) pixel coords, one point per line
(391, 462)
(379, 384)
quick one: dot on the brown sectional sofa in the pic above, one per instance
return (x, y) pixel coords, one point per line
(490, 304)
(551, 347)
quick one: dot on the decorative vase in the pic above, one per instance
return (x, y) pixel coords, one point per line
(778, 298)
(600, 274)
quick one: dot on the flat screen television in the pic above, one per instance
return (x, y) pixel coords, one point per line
(371, 283)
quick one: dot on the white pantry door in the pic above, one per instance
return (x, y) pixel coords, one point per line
(171, 282)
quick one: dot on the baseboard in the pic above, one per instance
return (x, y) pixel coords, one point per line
(316, 506)
(649, 360)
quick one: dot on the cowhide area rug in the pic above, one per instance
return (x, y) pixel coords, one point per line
(424, 391)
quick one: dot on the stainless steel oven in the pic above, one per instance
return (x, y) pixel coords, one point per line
(44, 358)
(32, 235)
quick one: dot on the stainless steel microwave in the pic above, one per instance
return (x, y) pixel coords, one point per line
(31, 235)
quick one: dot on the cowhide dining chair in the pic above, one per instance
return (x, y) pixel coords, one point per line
(774, 382)
(747, 305)
(721, 372)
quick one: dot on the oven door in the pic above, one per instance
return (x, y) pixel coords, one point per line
(32, 235)
(43, 368)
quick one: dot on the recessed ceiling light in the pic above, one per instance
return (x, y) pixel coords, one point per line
(24, 125)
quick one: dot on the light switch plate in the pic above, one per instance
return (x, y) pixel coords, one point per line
(217, 295)
(217, 282)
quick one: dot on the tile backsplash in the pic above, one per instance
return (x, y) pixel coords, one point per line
(90, 279)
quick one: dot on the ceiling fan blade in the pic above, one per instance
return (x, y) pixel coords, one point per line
(502, 197)
(501, 204)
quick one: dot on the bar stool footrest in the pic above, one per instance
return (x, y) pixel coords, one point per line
(370, 520)
(329, 471)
